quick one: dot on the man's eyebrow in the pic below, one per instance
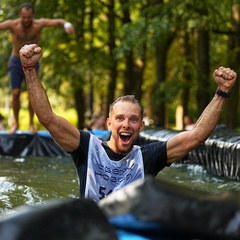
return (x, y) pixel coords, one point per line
(120, 115)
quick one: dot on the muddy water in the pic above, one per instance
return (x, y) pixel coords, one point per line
(34, 181)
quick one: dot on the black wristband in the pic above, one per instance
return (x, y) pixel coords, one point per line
(223, 94)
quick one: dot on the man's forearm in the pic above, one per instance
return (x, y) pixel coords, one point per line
(208, 120)
(37, 95)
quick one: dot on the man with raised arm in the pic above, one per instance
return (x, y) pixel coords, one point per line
(104, 167)
(25, 30)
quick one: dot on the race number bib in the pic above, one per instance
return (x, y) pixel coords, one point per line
(105, 176)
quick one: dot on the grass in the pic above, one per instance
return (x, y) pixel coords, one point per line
(7, 112)
(69, 114)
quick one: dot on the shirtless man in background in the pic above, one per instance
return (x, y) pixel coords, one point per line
(25, 30)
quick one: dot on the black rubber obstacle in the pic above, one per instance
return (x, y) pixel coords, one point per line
(160, 210)
(219, 154)
(60, 220)
(23, 144)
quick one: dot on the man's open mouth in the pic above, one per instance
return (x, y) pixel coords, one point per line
(125, 137)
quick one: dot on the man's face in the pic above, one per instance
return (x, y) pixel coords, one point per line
(26, 17)
(125, 123)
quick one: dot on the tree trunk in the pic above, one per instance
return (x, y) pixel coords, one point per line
(203, 70)
(129, 78)
(187, 74)
(161, 66)
(233, 62)
(112, 46)
(139, 70)
(80, 106)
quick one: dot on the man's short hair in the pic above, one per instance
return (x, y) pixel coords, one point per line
(127, 98)
(27, 6)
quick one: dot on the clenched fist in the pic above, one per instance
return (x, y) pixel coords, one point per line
(30, 55)
(225, 78)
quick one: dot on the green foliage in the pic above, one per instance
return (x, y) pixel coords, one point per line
(83, 60)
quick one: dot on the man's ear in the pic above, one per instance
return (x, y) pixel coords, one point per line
(142, 126)
(108, 123)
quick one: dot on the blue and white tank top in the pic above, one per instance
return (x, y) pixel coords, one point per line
(105, 175)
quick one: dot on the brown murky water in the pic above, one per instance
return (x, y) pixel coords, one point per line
(35, 181)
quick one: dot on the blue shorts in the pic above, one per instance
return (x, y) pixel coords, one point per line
(15, 71)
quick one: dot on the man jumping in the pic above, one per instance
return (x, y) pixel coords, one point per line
(25, 30)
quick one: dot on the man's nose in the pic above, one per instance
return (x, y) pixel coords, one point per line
(126, 123)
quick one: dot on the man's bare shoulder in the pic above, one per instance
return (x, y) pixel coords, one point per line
(9, 24)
